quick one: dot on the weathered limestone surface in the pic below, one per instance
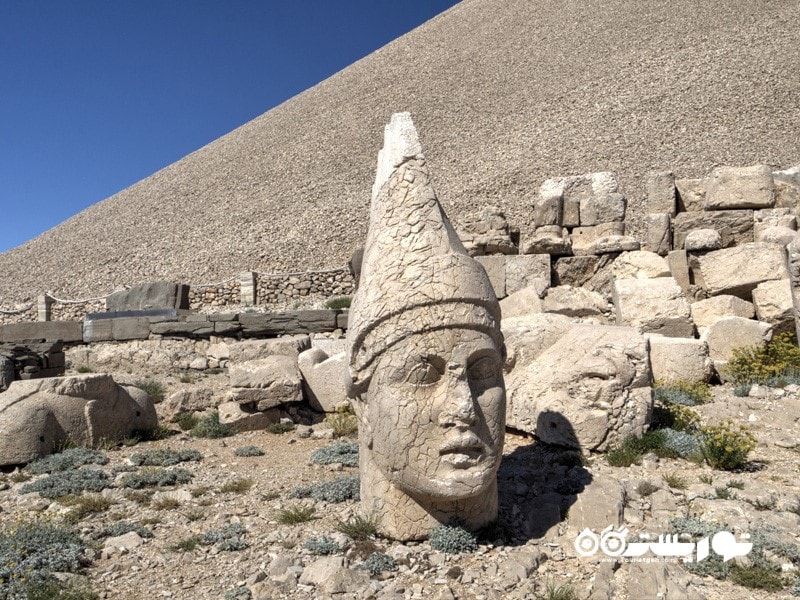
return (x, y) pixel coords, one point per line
(583, 238)
(734, 226)
(702, 239)
(522, 271)
(549, 239)
(528, 336)
(773, 217)
(243, 417)
(269, 381)
(639, 265)
(679, 268)
(655, 305)
(776, 234)
(488, 232)
(574, 302)
(740, 187)
(737, 271)
(188, 401)
(38, 415)
(588, 390)
(773, 304)
(51, 331)
(675, 359)
(729, 333)
(324, 378)
(793, 267)
(707, 312)
(787, 188)
(424, 358)
(658, 233)
(575, 270)
(300, 321)
(614, 244)
(660, 189)
(148, 296)
(691, 194)
(526, 301)
(495, 267)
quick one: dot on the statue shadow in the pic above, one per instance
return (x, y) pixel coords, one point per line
(538, 483)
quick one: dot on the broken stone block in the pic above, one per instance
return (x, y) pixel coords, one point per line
(574, 270)
(547, 210)
(522, 270)
(495, 267)
(658, 233)
(699, 240)
(526, 301)
(583, 237)
(613, 245)
(730, 333)
(734, 226)
(574, 302)
(773, 304)
(39, 415)
(654, 305)
(487, 232)
(548, 240)
(776, 235)
(605, 204)
(639, 264)
(674, 359)
(732, 188)
(793, 267)
(772, 217)
(526, 337)
(242, 417)
(246, 350)
(707, 312)
(660, 190)
(189, 401)
(691, 194)
(130, 328)
(738, 270)
(150, 296)
(324, 378)
(600, 504)
(276, 379)
(679, 268)
(787, 188)
(588, 390)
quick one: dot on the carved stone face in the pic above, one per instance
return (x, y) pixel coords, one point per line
(435, 413)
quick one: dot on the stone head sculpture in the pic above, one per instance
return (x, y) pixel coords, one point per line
(425, 358)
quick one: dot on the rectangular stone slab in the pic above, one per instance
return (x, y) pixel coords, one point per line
(739, 224)
(301, 321)
(63, 331)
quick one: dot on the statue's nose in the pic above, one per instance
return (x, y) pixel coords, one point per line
(458, 408)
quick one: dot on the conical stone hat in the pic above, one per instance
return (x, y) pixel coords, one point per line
(416, 275)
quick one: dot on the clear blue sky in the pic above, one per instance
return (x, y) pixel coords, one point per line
(98, 94)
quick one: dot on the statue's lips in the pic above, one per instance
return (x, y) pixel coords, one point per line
(463, 451)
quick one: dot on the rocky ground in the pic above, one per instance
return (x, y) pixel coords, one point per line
(548, 496)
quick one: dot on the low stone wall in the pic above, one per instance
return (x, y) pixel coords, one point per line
(321, 285)
(75, 311)
(226, 293)
(18, 315)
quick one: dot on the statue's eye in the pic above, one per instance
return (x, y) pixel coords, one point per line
(484, 368)
(424, 372)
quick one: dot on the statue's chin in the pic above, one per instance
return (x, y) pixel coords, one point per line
(450, 483)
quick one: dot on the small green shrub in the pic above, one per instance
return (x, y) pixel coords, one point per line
(680, 418)
(159, 432)
(673, 480)
(84, 505)
(187, 421)
(765, 364)
(31, 551)
(165, 503)
(123, 527)
(757, 578)
(20, 477)
(726, 446)
(557, 592)
(452, 539)
(334, 491)
(768, 504)
(154, 477)
(54, 589)
(343, 425)
(378, 562)
(248, 451)
(164, 457)
(322, 546)
(632, 448)
(706, 478)
(345, 453)
(338, 302)
(187, 378)
(186, 545)
(681, 443)
(280, 428)
(71, 458)
(210, 427)
(154, 389)
(742, 390)
(645, 488)
(238, 593)
(687, 393)
(229, 538)
(64, 483)
(237, 486)
(737, 484)
(724, 493)
(358, 527)
(294, 515)
(84, 369)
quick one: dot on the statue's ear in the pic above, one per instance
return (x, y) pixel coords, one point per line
(355, 390)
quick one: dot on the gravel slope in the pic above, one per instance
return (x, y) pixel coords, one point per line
(505, 93)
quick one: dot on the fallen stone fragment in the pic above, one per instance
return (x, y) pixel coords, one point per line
(654, 305)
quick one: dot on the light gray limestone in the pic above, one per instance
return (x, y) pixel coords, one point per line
(730, 333)
(679, 268)
(675, 359)
(588, 390)
(660, 190)
(275, 379)
(495, 267)
(699, 240)
(707, 312)
(147, 296)
(773, 304)
(575, 270)
(38, 415)
(583, 237)
(324, 378)
(523, 270)
(691, 194)
(424, 359)
(639, 264)
(523, 302)
(655, 305)
(658, 233)
(734, 226)
(776, 234)
(550, 239)
(740, 187)
(574, 302)
(738, 270)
